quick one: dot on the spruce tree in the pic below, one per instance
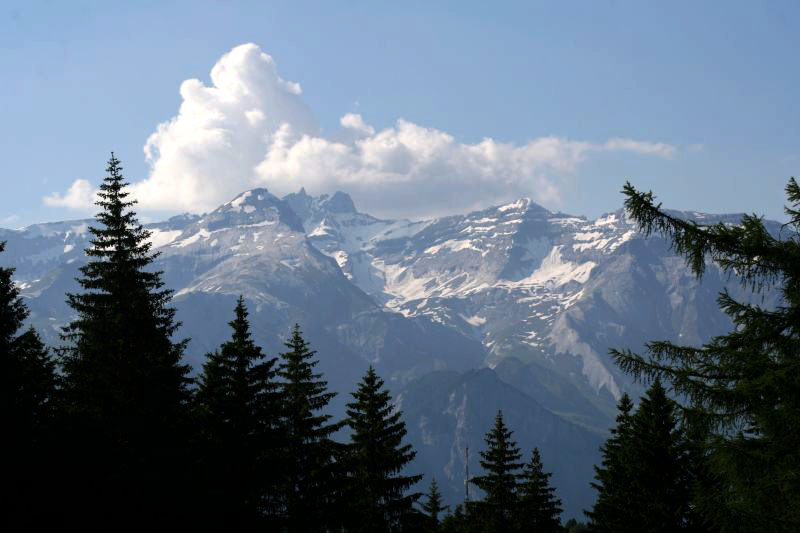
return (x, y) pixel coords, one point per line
(746, 384)
(312, 479)
(539, 509)
(239, 412)
(611, 476)
(644, 483)
(377, 457)
(658, 466)
(125, 384)
(433, 505)
(501, 463)
(28, 410)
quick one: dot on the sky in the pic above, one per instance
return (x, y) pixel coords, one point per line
(416, 109)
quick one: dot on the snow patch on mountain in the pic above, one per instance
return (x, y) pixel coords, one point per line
(555, 271)
(160, 237)
(201, 234)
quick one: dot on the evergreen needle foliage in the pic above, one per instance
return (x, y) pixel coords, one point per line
(644, 481)
(743, 386)
(239, 409)
(312, 476)
(377, 457)
(125, 384)
(501, 463)
(433, 505)
(28, 394)
(539, 508)
(612, 477)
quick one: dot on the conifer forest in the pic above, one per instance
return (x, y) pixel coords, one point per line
(400, 267)
(110, 429)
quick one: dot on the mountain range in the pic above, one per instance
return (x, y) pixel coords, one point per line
(513, 307)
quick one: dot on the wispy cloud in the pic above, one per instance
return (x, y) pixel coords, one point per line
(10, 220)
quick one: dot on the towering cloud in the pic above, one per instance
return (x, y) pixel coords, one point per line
(250, 127)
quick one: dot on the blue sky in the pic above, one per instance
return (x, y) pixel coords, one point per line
(695, 100)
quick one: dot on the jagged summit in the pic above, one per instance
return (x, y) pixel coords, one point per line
(338, 203)
(253, 207)
(310, 208)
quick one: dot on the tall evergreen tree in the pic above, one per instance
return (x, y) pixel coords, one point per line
(125, 383)
(239, 410)
(501, 463)
(28, 394)
(433, 506)
(312, 476)
(539, 509)
(376, 457)
(611, 476)
(644, 484)
(746, 384)
(658, 466)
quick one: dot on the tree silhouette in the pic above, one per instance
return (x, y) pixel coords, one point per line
(501, 463)
(539, 509)
(125, 384)
(312, 479)
(239, 411)
(376, 457)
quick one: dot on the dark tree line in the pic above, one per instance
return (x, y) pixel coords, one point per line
(110, 432)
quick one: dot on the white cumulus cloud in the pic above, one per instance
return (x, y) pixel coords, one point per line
(80, 195)
(249, 127)
(208, 152)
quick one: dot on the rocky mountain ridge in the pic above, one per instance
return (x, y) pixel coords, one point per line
(533, 298)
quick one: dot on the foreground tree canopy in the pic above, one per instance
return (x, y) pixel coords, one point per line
(741, 390)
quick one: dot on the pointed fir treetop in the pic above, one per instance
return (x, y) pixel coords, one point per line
(240, 352)
(624, 416)
(241, 327)
(120, 355)
(378, 455)
(119, 238)
(502, 456)
(540, 509)
(237, 378)
(312, 476)
(656, 423)
(240, 411)
(611, 480)
(433, 504)
(377, 426)
(120, 252)
(303, 389)
(501, 463)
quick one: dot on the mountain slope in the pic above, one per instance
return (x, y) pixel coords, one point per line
(536, 298)
(447, 412)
